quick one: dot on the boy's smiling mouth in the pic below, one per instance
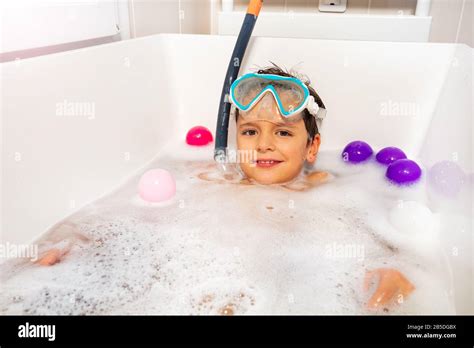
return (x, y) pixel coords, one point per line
(267, 163)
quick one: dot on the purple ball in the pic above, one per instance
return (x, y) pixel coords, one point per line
(356, 152)
(389, 155)
(403, 171)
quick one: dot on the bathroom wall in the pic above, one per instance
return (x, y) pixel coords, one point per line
(354, 6)
(170, 16)
(452, 19)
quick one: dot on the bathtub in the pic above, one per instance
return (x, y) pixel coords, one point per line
(76, 124)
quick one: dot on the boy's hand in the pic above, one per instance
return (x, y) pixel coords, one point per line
(391, 285)
(63, 238)
(51, 257)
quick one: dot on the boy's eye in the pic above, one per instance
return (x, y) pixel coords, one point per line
(249, 132)
(284, 133)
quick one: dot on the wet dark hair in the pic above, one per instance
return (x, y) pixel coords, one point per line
(309, 120)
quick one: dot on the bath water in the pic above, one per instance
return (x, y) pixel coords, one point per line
(220, 247)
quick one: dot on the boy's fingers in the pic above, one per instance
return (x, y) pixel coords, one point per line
(55, 254)
(406, 287)
(50, 258)
(382, 296)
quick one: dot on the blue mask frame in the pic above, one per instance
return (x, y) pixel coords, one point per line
(272, 90)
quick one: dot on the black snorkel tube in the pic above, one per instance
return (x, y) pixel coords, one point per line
(222, 129)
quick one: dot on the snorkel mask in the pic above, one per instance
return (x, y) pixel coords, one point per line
(278, 98)
(287, 109)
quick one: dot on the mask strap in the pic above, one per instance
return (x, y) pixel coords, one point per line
(312, 106)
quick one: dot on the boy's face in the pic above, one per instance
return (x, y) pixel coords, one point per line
(281, 147)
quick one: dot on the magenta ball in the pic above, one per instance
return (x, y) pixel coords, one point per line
(403, 171)
(156, 185)
(389, 155)
(447, 178)
(199, 136)
(357, 151)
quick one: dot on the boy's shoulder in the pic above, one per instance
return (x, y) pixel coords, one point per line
(317, 177)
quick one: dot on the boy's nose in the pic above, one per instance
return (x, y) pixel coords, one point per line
(265, 143)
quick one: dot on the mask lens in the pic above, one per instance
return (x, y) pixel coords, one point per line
(291, 97)
(247, 90)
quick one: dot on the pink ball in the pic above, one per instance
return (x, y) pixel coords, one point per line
(199, 136)
(156, 185)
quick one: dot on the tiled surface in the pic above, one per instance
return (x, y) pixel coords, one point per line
(466, 27)
(151, 17)
(354, 6)
(171, 16)
(446, 16)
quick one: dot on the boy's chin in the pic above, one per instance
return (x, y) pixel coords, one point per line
(267, 178)
(266, 181)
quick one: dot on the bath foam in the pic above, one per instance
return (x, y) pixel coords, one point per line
(224, 248)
